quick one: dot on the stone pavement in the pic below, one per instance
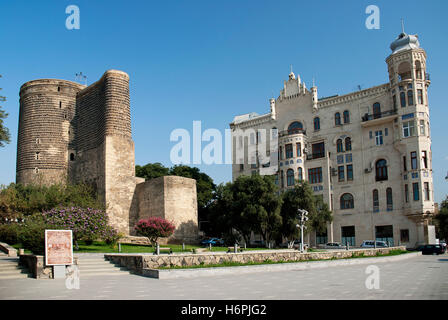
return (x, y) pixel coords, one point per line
(422, 277)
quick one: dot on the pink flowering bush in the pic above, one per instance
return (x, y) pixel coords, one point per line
(154, 228)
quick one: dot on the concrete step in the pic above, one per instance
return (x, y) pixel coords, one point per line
(12, 268)
(16, 271)
(14, 276)
(96, 273)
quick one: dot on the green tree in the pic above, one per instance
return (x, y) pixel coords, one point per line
(441, 220)
(5, 137)
(302, 197)
(151, 171)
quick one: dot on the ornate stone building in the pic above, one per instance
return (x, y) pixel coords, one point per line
(367, 153)
(70, 132)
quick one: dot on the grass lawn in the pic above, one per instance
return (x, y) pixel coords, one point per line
(101, 247)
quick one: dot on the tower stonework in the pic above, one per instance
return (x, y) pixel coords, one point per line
(72, 133)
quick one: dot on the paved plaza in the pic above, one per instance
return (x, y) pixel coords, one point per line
(420, 277)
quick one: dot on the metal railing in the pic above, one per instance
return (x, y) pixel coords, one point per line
(379, 115)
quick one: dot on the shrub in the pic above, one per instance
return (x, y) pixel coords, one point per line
(9, 233)
(32, 233)
(87, 224)
(154, 228)
(111, 236)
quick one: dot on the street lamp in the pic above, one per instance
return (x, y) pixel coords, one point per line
(303, 218)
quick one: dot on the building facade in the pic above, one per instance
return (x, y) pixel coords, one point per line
(366, 153)
(73, 133)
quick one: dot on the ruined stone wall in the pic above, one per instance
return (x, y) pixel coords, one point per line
(46, 129)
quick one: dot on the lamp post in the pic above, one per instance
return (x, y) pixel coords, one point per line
(303, 218)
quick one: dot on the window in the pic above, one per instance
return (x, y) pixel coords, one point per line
(410, 97)
(386, 132)
(379, 137)
(60, 104)
(346, 116)
(422, 127)
(318, 150)
(381, 170)
(348, 235)
(405, 165)
(420, 96)
(341, 173)
(316, 124)
(295, 127)
(315, 175)
(337, 119)
(288, 151)
(389, 199)
(403, 99)
(339, 146)
(241, 166)
(321, 238)
(347, 201)
(424, 159)
(377, 110)
(281, 179)
(414, 160)
(349, 172)
(370, 135)
(348, 144)
(299, 149)
(300, 174)
(276, 180)
(404, 235)
(426, 184)
(290, 177)
(408, 129)
(406, 193)
(72, 156)
(415, 191)
(280, 153)
(376, 201)
(37, 155)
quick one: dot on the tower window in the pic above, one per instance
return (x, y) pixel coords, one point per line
(415, 191)
(410, 97)
(403, 99)
(420, 96)
(414, 160)
(60, 104)
(295, 127)
(59, 89)
(72, 157)
(37, 155)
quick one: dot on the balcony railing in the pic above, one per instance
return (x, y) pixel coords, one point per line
(379, 115)
(427, 76)
(291, 132)
(317, 155)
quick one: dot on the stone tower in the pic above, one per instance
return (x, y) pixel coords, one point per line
(409, 84)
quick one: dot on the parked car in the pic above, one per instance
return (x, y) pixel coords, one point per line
(433, 249)
(333, 245)
(371, 244)
(212, 241)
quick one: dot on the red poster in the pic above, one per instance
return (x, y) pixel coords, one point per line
(58, 247)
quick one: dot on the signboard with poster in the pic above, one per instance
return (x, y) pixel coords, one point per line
(58, 247)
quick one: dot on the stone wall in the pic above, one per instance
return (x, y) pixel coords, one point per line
(137, 263)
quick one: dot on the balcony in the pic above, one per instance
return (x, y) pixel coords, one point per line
(378, 118)
(291, 132)
(312, 156)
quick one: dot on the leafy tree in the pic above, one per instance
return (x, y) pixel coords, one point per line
(5, 137)
(154, 228)
(441, 220)
(151, 171)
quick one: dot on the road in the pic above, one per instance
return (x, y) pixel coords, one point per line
(421, 277)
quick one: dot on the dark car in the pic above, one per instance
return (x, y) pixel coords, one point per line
(432, 249)
(213, 241)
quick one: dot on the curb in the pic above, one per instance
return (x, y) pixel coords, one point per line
(218, 271)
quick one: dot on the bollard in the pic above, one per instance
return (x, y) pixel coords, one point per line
(347, 246)
(235, 248)
(119, 247)
(210, 246)
(245, 246)
(21, 252)
(157, 249)
(183, 246)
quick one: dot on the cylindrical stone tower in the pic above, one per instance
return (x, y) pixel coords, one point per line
(47, 108)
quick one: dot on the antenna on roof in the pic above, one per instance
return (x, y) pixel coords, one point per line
(314, 82)
(80, 77)
(291, 68)
(402, 26)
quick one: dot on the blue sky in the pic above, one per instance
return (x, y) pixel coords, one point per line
(211, 60)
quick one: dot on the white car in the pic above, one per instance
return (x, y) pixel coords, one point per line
(371, 244)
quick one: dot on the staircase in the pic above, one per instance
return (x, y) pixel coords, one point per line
(10, 269)
(96, 265)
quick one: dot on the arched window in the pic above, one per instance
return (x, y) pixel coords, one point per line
(316, 124)
(381, 170)
(403, 99)
(376, 110)
(404, 71)
(295, 127)
(376, 201)
(337, 119)
(389, 200)
(300, 174)
(339, 146)
(347, 201)
(410, 97)
(348, 144)
(290, 177)
(346, 116)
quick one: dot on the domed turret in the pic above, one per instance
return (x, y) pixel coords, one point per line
(404, 42)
